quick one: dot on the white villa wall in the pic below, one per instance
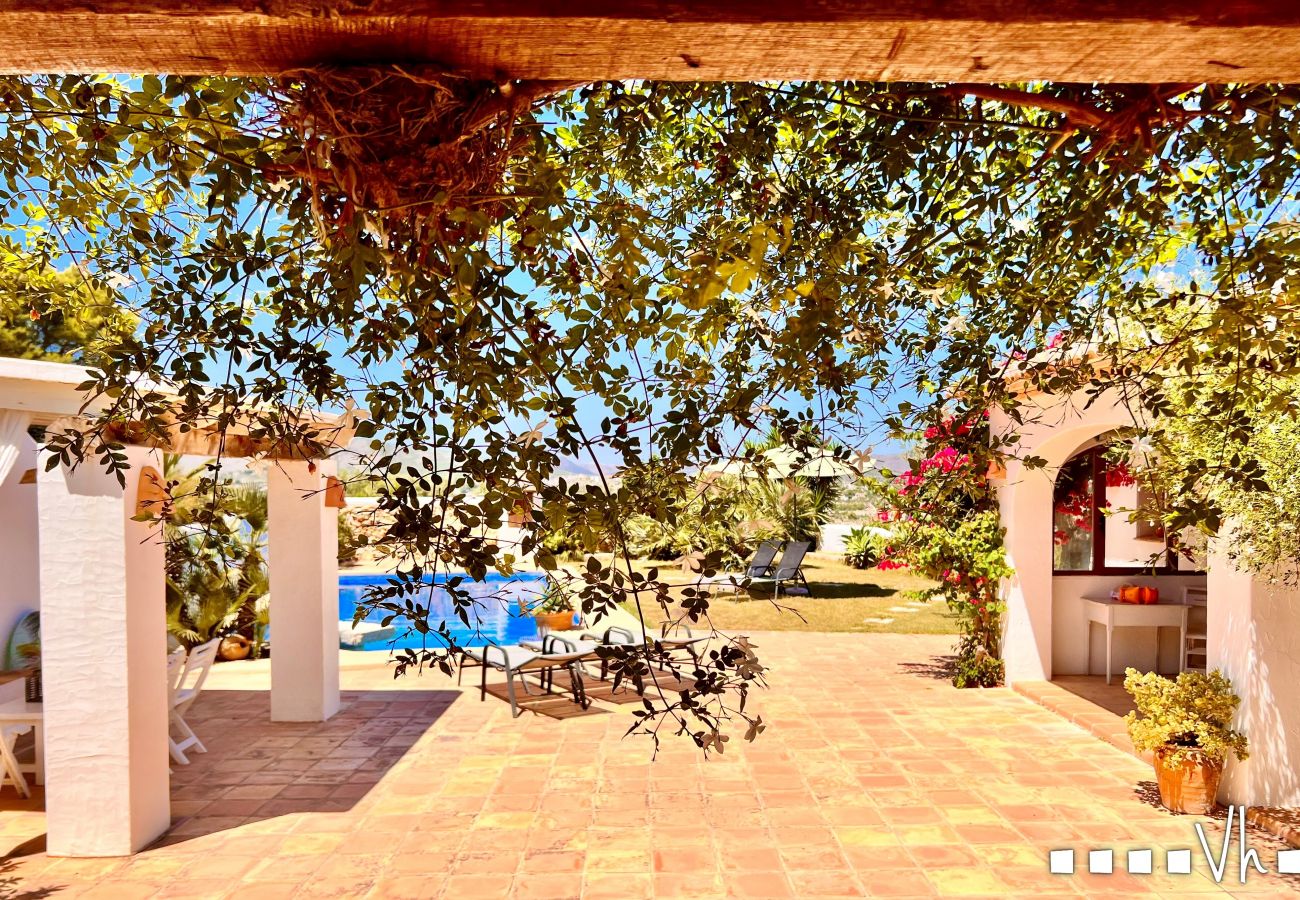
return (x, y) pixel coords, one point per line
(833, 536)
(20, 586)
(1254, 638)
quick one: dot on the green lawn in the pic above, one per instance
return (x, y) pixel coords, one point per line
(844, 599)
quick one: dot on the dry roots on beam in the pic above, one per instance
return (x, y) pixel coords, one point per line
(392, 151)
(1121, 128)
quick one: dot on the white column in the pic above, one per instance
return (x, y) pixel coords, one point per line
(1025, 499)
(103, 662)
(303, 564)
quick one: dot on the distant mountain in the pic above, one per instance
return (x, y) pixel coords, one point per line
(894, 462)
(574, 467)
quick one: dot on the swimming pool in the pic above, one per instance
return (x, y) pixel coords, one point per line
(498, 622)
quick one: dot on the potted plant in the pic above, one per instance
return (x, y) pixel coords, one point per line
(28, 658)
(1186, 724)
(554, 609)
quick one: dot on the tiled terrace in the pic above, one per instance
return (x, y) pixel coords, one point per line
(875, 777)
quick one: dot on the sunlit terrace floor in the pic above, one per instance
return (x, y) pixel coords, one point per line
(875, 777)
(1087, 701)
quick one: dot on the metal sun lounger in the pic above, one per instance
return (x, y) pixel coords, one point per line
(788, 571)
(514, 659)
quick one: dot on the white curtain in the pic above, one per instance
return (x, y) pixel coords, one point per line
(13, 432)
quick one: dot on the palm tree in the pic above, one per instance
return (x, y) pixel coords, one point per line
(216, 565)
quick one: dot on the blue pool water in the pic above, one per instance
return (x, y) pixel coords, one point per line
(498, 620)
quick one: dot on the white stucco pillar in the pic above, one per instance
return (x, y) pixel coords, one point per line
(103, 662)
(1254, 639)
(302, 562)
(1025, 500)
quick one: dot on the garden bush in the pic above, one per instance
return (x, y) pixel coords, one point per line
(862, 547)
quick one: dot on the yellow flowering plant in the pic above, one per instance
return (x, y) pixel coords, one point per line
(1191, 715)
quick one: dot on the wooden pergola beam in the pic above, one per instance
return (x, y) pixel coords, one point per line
(716, 40)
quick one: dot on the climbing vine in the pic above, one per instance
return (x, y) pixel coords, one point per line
(511, 276)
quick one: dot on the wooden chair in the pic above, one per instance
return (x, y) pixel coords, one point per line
(10, 771)
(1196, 646)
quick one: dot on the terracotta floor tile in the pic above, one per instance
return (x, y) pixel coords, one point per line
(552, 862)
(897, 883)
(406, 887)
(478, 887)
(617, 887)
(697, 885)
(752, 859)
(549, 886)
(773, 885)
(822, 883)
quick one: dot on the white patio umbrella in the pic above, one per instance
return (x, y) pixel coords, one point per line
(736, 468)
(826, 466)
(779, 462)
(784, 462)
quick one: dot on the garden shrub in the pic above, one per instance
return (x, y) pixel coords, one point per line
(862, 547)
(351, 539)
(945, 526)
(1191, 713)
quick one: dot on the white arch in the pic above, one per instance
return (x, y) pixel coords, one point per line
(1055, 430)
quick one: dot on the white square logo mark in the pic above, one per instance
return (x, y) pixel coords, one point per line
(1139, 862)
(1061, 862)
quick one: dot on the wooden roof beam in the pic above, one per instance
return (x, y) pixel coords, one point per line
(714, 40)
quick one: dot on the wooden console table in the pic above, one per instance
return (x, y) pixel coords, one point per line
(1114, 614)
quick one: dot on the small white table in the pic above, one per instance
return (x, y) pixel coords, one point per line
(16, 717)
(1114, 614)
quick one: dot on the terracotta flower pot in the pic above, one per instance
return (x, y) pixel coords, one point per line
(1190, 787)
(560, 621)
(233, 647)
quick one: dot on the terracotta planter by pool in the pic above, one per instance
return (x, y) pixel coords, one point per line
(1190, 787)
(233, 647)
(560, 621)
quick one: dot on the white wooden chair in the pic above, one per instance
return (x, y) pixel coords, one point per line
(185, 690)
(175, 669)
(10, 772)
(1196, 647)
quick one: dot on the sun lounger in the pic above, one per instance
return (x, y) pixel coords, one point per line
(759, 566)
(515, 660)
(788, 571)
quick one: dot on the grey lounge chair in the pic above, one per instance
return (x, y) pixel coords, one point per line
(759, 565)
(788, 571)
(517, 660)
